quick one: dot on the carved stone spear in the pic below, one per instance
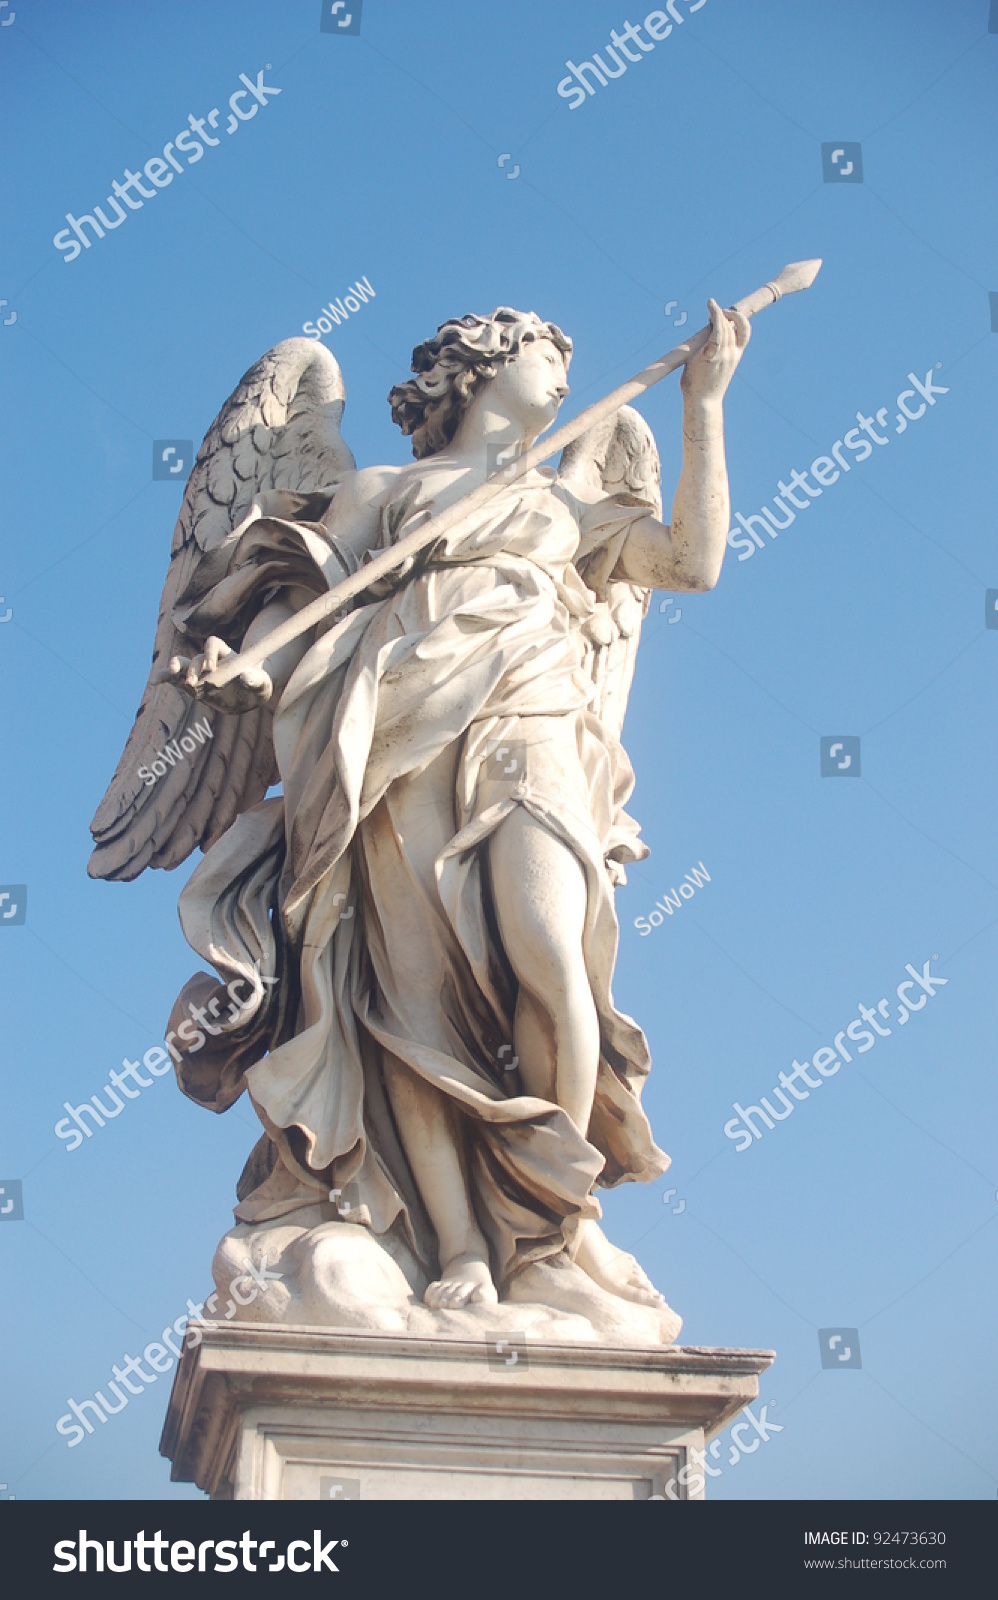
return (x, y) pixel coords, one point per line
(798, 275)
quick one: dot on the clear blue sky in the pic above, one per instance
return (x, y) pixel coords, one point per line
(697, 172)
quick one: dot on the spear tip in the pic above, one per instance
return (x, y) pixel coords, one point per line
(798, 275)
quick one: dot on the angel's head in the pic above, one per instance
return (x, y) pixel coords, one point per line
(521, 358)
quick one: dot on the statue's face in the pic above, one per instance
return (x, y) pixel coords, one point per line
(532, 385)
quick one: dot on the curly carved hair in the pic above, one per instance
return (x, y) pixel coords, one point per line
(451, 367)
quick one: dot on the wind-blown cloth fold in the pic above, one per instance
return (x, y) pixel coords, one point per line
(367, 889)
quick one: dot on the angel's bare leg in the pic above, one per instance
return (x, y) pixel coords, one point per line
(539, 892)
(431, 1132)
(540, 895)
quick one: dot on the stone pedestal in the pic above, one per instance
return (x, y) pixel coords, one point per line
(262, 1412)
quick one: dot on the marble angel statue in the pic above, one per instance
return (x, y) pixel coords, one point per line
(414, 939)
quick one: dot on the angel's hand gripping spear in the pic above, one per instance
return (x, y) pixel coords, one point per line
(220, 666)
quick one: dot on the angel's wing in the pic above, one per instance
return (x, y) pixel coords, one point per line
(620, 457)
(279, 431)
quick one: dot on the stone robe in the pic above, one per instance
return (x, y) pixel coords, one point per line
(369, 901)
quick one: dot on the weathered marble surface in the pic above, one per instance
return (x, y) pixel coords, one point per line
(416, 938)
(270, 1413)
(336, 1274)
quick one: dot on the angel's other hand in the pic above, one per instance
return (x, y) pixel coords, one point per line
(251, 688)
(708, 372)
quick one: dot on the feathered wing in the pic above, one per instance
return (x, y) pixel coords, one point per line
(279, 431)
(620, 457)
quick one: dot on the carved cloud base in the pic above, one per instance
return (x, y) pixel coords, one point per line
(278, 1413)
(335, 1274)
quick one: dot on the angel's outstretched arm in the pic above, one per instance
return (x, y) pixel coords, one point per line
(687, 554)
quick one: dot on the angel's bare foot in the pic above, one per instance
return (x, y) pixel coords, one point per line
(613, 1269)
(464, 1281)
